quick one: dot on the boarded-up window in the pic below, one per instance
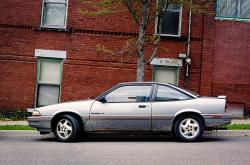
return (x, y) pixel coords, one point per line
(166, 75)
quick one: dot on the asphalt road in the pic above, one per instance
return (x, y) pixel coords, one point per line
(28, 148)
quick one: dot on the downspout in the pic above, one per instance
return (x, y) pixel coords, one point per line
(188, 61)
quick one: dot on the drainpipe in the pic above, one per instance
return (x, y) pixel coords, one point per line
(188, 61)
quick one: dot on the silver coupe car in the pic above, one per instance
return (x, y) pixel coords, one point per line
(133, 106)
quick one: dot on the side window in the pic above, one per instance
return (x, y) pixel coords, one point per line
(165, 93)
(54, 13)
(130, 94)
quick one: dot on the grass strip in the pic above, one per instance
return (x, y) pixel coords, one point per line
(237, 127)
(16, 127)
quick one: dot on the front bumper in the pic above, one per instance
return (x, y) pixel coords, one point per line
(41, 123)
(215, 120)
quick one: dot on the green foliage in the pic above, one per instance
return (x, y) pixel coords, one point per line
(16, 127)
(14, 116)
(1, 117)
(99, 8)
(237, 127)
(142, 13)
(104, 7)
(96, 13)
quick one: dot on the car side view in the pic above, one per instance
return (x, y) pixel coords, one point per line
(134, 107)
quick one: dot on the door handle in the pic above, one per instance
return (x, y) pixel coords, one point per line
(142, 106)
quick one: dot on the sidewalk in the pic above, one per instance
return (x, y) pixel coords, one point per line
(239, 121)
(234, 121)
(13, 122)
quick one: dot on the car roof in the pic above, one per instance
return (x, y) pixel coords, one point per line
(146, 83)
(142, 83)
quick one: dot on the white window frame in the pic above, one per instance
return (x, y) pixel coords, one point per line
(55, 27)
(170, 35)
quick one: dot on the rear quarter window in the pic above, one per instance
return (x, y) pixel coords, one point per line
(165, 93)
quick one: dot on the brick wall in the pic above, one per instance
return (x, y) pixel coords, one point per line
(85, 72)
(231, 73)
(207, 55)
(225, 59)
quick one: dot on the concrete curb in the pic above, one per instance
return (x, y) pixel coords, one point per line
(229, 133)
(19, 133)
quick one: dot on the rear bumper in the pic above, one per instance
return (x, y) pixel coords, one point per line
(215, 120)
(41, 123)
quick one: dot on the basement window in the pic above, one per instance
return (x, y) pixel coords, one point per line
(54, 14)
(233, 9)
(171, 25)
(49, 76)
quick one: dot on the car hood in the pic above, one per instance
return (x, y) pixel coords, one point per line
(80, 107)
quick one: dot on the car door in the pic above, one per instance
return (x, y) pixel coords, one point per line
(166, 103)
(127, 107)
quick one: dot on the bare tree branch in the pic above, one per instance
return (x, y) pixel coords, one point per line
(161, 12)
(131, 9)
(140, 11)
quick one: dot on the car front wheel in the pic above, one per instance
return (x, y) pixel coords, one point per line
(67, 129)
(189, 128)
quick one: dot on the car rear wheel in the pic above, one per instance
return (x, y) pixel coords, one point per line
(67, 129)
(189, 128)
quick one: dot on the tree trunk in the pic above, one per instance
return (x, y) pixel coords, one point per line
(140, 51)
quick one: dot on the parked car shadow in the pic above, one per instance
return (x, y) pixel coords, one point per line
(114, 137)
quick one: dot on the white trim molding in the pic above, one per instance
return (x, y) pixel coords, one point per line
(166, 62)
(50, 53)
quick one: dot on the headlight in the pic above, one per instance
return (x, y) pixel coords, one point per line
(36, 113)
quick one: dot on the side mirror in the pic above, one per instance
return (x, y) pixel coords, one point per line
(103, 100)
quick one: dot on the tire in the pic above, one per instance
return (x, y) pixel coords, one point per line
(67, 129)
(189, 128)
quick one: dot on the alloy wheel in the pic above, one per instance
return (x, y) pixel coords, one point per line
(189, 128)
(64, 128)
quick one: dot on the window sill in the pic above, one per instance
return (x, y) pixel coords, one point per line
(51, 29)
(169, 35)
(232, 19)
(173, 38)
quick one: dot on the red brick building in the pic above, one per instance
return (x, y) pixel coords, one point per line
(48, 52)
(226, 58)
